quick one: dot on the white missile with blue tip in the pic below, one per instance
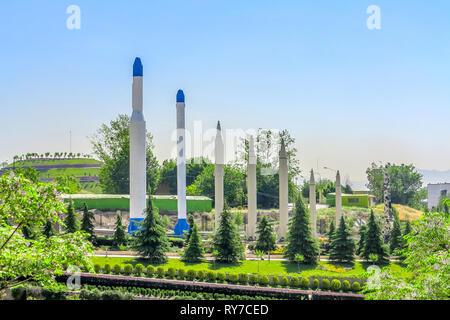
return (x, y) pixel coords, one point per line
(138, 180)
(182, 224)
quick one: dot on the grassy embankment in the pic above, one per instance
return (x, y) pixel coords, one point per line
(324, 269)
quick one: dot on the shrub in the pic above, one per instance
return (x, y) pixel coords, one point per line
(275, 281)
(139, 268)
(325, 284)
(93, 294)
(233, 277)
(304, 283)
(346, 285)
(356, 286)
(171, 272)
(160, 272)
(107, 268)
(336, 285)
(191, 274)
(243, 278)
(294, 281)
(211, 276)
(117, 269)
(254, 279)
(264, 280)
(315, 284)
(284, 281)
(97, 268)
(200, 275)
(181, 274)
(221, 276)
(128, 269)
(150, 271)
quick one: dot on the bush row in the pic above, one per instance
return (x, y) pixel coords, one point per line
(233, 278)
(165, 294)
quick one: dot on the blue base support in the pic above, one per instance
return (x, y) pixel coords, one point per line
(181, 226)
(135, 225)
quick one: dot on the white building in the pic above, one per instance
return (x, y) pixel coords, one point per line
(435, 192)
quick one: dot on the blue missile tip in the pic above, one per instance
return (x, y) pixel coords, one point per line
(137, 68)
(180, 96)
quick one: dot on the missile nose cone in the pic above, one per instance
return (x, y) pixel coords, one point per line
(137, 68)
(180, 96)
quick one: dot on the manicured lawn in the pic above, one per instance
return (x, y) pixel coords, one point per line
(53, 162)
(324, 269)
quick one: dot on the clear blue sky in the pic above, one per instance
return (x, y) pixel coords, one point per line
(348, 95)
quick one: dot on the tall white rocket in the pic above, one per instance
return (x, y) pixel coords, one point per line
(182, 224)
(138, 180)
(312, 203)
(218, 175)
(283, 176)
(251, 191)
(338, 200)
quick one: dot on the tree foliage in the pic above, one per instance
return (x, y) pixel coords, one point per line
(194, 251)
(151, 242)
(111, 144)
(87, 222)
(24, 203)
(120, 235)
(267, 240)
(426, 255)
(405, 183)
(373, 242)
(227, 241)
(342, 245)
(71, 223)
(299, 238)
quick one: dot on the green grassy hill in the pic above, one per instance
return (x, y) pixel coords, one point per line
(86, 170)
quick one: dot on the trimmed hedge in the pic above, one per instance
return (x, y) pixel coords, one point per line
(275, 281)
(150, 271)
(305, 283)
(346, 285)
(336, 285)
(356, 286)
(325, 284)
(244, 278)
(315, 284)
(125, 281)
(294, 281)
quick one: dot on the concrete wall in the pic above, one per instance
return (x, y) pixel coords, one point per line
(434, 193)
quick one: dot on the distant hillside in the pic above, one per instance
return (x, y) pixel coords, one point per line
(86, 170)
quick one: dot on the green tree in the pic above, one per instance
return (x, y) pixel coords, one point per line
(87, 222)
(267, 240)
(151, 242)
(427, 254)
(342, 246)
(49, 230)
(194, 251)
(362, 236)
(23, 202)
(233, 184)
(373, 242)
(396, 237)
(227, 241)
(29, 172)
(405, 183)
(191, 223)
(71, 223)
(330, 234)
(69, 184)
(111, 144)
(299, 238)
(120, 236)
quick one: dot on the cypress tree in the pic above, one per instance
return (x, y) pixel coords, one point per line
(330, 236)
(299, 237)
(342, 246)
(396, 238)
(373, 243)
(152, 242)
(49, 229)
(227, 241)
(362, 236)
(87, 224)
(120, 236)
(194, 250)
(71, 221)
(267, 240)
(191, 223)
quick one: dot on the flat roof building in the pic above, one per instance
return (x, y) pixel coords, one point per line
(437, 191)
